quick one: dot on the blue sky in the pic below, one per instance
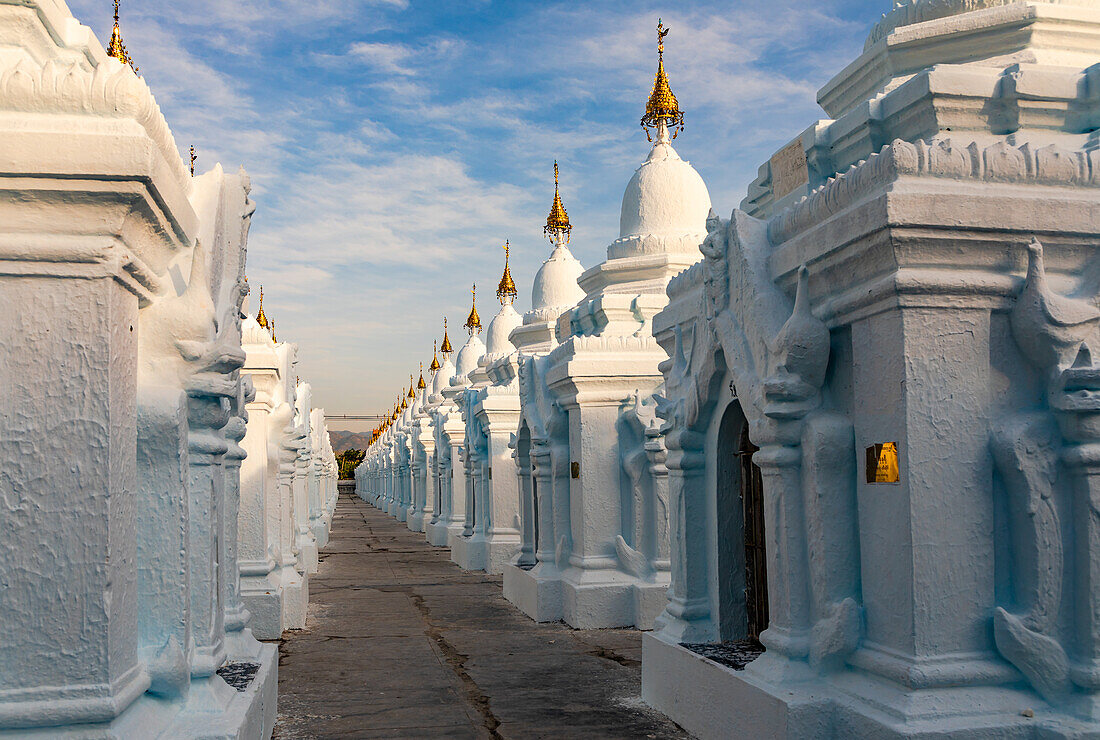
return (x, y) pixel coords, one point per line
(395, 144)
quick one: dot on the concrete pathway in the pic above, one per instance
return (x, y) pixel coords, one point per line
(401, 643)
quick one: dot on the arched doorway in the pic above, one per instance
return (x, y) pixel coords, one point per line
(742, 565)
(528, 500)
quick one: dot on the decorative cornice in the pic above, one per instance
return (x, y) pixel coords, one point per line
(110, 89)
(999, 162)
(910, 12)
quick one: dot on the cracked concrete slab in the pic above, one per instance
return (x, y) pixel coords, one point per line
(401, 643)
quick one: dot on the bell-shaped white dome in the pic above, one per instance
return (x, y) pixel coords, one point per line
(496, 339)
(443, 377)
(467, 359)
(556, 281)
(253, 333)
(665, 196)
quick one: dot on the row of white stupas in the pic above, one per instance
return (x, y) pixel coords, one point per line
(288, 484)
(482, 460)
(859, 421)
(164, 479)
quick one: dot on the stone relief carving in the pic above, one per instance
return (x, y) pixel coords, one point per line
(778, 352)
(1025, 452)
(1046, 465)
(635, 426)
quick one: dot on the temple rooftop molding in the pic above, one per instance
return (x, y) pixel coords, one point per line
(980, 69)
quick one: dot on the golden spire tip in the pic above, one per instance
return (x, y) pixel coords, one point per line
(446, 347)
(116, 48)
(662, 106)
(473, 321)
(557, 227)
(506, 289)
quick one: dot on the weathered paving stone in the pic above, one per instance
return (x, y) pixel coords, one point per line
(401, 643)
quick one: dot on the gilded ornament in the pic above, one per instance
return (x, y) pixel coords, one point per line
(662, 106)
(506, 289)
(261, 317)
(473, 321)
(116, 48)
(557, 226)
(446, 347)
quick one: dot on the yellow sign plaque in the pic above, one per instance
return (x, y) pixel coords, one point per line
(882, 463)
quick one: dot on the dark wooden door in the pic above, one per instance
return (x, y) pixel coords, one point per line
(756, 567)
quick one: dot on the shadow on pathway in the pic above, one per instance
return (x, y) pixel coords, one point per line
(401, 643)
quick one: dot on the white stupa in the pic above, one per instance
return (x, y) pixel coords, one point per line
(555, 289)
(661, 225)
(603, 375)
(471, 352)
(497, 342)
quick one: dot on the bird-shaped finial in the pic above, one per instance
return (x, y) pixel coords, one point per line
(1051, 329)
(801, 348)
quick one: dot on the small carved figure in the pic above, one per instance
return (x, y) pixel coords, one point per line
(1051, 329)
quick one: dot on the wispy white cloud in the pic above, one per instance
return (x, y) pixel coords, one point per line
(394, 145)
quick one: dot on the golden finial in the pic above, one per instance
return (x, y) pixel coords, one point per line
(506, 290)
(193, 158)
(420, 384)
(261, 318)
(412, 385)
(434, 367)
(662, 106)
(557, 226)
(446, 347)
(273, 337)
(473, 321)
(116, 48)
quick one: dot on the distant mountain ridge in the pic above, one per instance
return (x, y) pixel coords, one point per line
(342, 441)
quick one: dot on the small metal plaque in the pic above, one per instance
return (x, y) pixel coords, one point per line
(882, 463)
(575, 470)
(789, 170)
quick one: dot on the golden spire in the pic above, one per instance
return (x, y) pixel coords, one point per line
(261, 318)
(273, 338)
(420, 384)
(446, 347)
(434, 367)
(116, 48)
(557, 223)
(506, 290)
(662, 106)
(473, 321)
(193, 158)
